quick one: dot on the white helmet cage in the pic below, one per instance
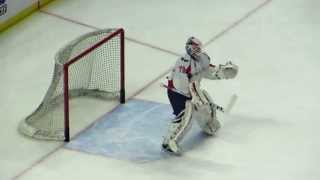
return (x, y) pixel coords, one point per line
(193, 46)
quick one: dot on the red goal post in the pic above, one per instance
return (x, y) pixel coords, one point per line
(75, 59)
(91, 65)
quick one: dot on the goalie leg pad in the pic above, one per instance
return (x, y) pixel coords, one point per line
(206, 116)
(178, 129)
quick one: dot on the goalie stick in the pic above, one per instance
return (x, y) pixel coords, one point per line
(231, 103)
(220, 108)
(174, 90)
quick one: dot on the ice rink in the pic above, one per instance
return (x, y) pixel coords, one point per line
(272, 132)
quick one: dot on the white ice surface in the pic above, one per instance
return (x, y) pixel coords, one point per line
(272, 132)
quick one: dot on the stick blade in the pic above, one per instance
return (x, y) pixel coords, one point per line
(231, 103)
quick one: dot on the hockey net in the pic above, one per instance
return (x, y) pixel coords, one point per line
(91, 65)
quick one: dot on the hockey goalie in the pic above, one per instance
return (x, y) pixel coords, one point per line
(186, 97)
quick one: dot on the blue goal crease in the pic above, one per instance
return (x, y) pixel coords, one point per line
(133, 131)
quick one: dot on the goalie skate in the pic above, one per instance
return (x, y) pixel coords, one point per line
(172, 147)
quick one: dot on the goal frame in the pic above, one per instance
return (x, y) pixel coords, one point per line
(66, 66)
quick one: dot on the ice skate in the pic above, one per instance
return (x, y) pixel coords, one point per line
(171, 147)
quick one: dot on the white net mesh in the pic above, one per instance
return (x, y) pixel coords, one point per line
(95, 74)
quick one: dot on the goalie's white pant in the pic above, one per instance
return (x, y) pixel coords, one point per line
(205, 114)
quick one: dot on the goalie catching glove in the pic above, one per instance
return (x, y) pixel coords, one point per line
(222, 71)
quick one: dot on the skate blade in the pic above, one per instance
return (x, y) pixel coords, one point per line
(169, 151)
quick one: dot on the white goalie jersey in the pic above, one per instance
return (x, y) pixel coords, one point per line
(187, 70)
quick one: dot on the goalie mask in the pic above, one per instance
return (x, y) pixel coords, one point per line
(193, 47)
